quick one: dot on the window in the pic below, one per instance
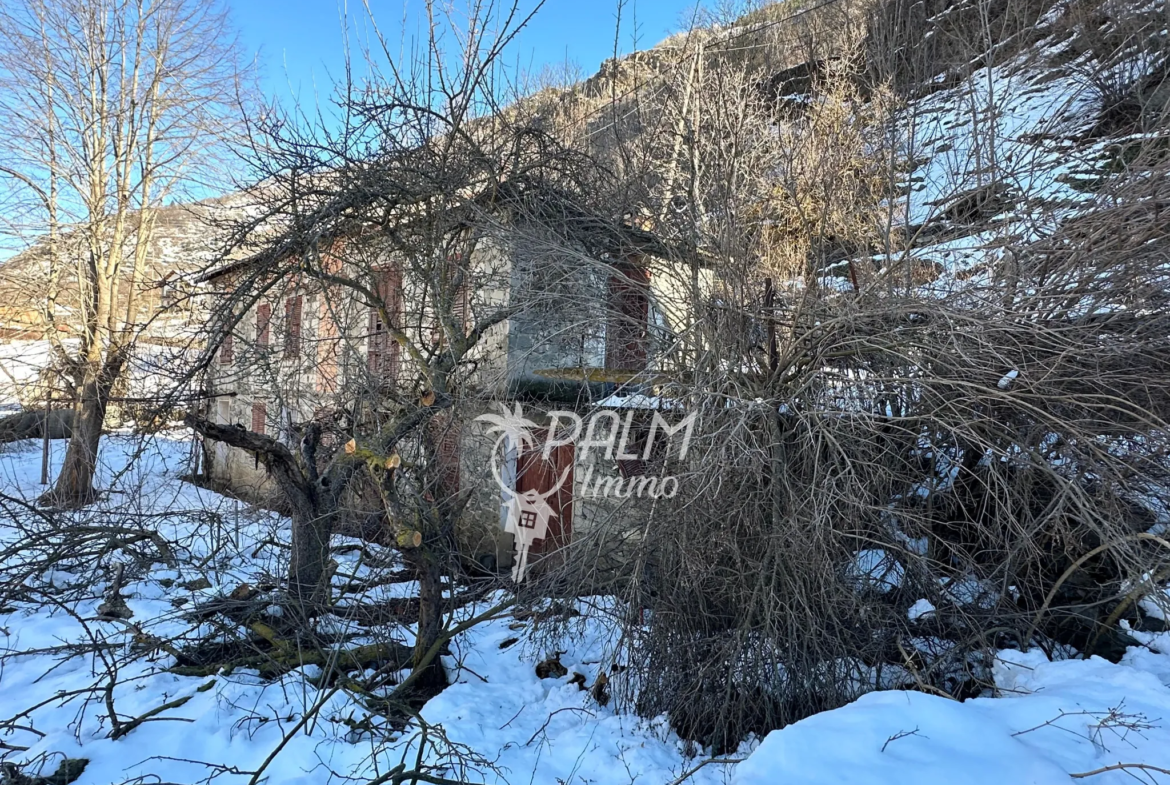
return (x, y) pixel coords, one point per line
(383, 350)
(226, 350)
(292, 326)
(259, 417)
(263, 324)
(627, 336)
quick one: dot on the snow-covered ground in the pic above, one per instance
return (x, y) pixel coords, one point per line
(1052, 719)
(20, 365)
(514, 726)
(498, 719)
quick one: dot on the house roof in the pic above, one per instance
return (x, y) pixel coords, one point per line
(598, 234)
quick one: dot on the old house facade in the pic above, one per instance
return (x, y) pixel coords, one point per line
(587, 328)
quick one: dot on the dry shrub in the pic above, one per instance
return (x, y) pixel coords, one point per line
(833, 173)
(891, 456)
(1120, 52)
(996, 447)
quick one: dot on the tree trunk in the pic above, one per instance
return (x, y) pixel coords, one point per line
(312, 501)
(430, 615)
(309, 570)
(74, 486)
(429, 560)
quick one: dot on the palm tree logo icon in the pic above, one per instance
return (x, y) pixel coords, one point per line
(512, 426)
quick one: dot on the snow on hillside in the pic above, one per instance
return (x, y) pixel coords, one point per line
(1052, 719)
(151, 369)
(1004, 158)
(1014, 121)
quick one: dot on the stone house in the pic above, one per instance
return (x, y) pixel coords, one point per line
(604, 325)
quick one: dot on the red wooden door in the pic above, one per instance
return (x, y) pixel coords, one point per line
(533, 473)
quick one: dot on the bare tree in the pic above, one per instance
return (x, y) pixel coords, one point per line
(110, 109)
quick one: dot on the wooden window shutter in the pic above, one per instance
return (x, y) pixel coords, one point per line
(462, 306)
(292, 326)
(627, 335)
(263, 324)
(383, 351)
(460, 310)
(259, 416)
(460, 303)
(329, 343)
(328, 349)
(446, 433)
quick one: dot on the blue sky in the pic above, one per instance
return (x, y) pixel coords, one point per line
(300, 43)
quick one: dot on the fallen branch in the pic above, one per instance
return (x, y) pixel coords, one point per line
(691, 772)
(124, 728)
(1119, 767)
(284, 657)
(69, 771)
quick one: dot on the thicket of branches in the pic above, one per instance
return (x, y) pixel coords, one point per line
(874, 430)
